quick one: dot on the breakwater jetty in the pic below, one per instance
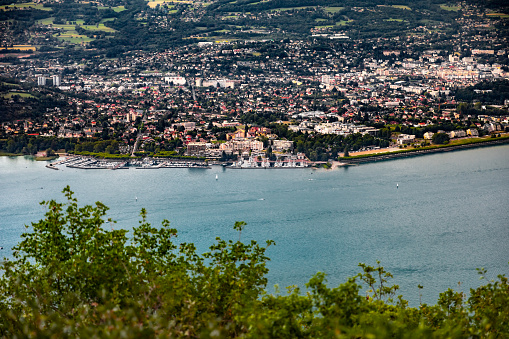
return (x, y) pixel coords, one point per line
(417, 152)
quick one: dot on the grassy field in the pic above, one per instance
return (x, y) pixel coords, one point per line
(116, 9)
(501, 15)
(73, 37)
(397, 6)
(402, 7)
(21, 94)
(26, 5)
(69, 33)
(154, 3)
(22, 47)
(291, 8)
(450, 8)
(343, 22)
(333, 9)
(47, 21)
(98, 27)
(9, 84)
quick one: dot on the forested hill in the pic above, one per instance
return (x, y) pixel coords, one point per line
(120, 25)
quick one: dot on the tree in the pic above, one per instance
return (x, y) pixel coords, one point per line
(73, 269)
(440, 138)
(346, 153)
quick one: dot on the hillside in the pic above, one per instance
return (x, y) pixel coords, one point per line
(120, 25)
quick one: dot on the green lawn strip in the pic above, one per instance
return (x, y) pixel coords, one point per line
(343, 22)
(46, 158)
(70, 26)
(73, 37)
(98, 27)
(21, 94)
(26, 5)
(450, 8)
(333, 9)
(47, 21)
(104, 155)
(7, 154)
(9, 84)
(290, 8)
(115, 9)
(402, 7)
(500, 15)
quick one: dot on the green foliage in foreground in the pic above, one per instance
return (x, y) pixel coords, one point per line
(73, 275)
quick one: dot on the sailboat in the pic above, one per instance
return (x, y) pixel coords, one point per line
(216, 177)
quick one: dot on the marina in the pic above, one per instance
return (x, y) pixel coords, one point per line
(82, 162)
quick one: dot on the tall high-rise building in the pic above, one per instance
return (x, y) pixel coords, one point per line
(56, 80)
(41, 81)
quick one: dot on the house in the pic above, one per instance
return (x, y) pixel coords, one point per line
(473, 132)
(405, 139)
(428, 135)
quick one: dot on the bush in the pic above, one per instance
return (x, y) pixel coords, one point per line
(73, 276)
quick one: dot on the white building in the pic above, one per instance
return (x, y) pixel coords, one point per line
(56, 80)
(405, 139)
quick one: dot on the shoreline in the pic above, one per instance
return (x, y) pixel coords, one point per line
(365, 157)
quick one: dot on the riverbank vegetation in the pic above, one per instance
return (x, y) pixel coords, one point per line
(74, 275)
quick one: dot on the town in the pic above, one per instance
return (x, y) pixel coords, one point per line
(263, 102)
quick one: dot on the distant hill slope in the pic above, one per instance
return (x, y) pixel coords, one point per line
(120, 25)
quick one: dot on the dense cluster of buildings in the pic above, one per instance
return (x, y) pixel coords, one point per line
(204, 95)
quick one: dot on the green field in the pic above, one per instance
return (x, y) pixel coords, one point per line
(154, 3)
(47, 21)
(450, 8)
(73, 37)
(20, 47)
(402, 7)
(343, 22)
(70, 28)
(98, 27)
(9, 84)
(500, 15)
(26, 5)
(21, 94)
(291, 8)
(333, 9)
(116, 9)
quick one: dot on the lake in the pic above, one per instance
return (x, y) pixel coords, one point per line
(431, 220)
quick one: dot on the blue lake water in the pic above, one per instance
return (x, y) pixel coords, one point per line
(448, 216)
